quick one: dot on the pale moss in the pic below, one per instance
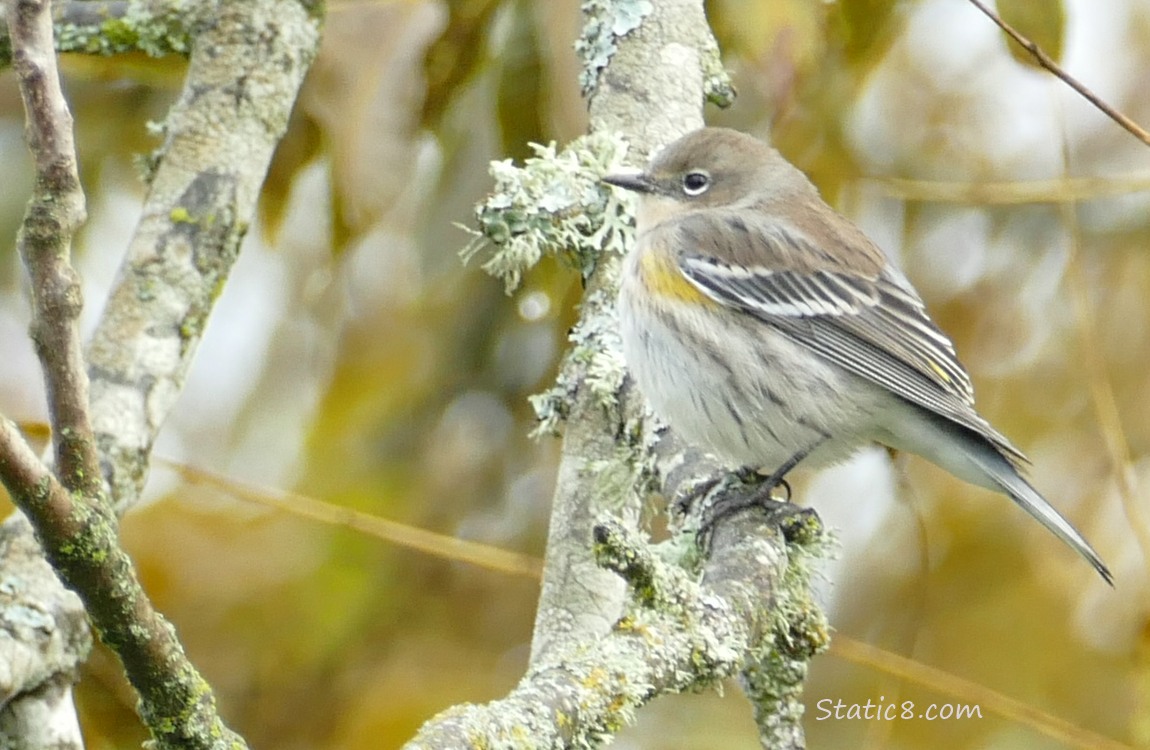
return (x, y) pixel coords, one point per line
(555, 204)
(595, 360)
(800, 629)
(717, 86)
(607, 20)
(552, 204)
(140, 29)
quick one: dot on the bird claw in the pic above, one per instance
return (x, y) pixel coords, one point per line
(747, 490)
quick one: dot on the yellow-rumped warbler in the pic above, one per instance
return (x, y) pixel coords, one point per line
(765, 327)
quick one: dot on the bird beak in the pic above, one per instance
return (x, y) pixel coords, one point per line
(637, 181)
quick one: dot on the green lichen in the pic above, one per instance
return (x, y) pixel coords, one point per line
(607, 20)
(181, 215)
(139, 29)
(799, 624)
(596, 353)
(119, 33)
(775, 678)
(717, 86)
(552, 204)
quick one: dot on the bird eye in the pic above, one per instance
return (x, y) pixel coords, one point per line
(696, 183)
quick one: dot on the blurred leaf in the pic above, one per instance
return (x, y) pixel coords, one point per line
(154, 72)
(454, 57)
(299, 147)
(111, 115)
(1042, 23)
(864, 28)
(520, 102)
(37, 434)
(755, 29)
(364, 93)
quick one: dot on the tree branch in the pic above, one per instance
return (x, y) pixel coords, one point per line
(676, 635)
(652, 91)
(79, 537)
(249, 62)
(1047, 62)
(110, 27)
(595, 657)
(55, 211)
(219, 137)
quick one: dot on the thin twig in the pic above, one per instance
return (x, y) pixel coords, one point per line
(1106, 407)
(55, 211)
(1011, 192)
(400, 534)
(1047, 62)
(1102, 391)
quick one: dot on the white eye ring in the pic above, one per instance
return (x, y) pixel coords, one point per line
(696, 182)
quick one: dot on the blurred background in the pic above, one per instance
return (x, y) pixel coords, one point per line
(354, 359)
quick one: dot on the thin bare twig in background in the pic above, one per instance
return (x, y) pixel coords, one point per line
(1106, 407)
(1011, 192)
(1101, 388)
(400, 534)
(844, 647)
(1047, 62)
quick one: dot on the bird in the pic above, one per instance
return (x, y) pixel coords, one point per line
(766, 328)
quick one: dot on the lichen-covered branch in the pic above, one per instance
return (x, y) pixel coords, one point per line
(649, 67)
(679, 633)
(245, 71)
(650, 78)
(154, 27)
(79, 538)
(46, 638)
(657, 94)
(555, 204)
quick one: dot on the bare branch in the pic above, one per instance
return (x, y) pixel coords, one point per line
(1011, 192)
(1047, 62)
(55, 211)
(442, 546)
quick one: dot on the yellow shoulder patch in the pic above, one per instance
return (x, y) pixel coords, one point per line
(663, 279)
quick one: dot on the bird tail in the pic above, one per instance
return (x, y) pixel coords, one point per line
(1008, 479)
(978, 459)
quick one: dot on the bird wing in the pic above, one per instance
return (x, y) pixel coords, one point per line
(869, 322)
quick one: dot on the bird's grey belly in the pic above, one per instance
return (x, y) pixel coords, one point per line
(731, 392)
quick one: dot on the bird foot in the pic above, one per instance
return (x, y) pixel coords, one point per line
(745, 489)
